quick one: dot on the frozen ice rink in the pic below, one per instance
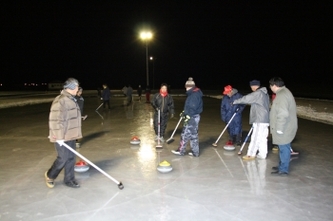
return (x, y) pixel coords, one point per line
(218, 185)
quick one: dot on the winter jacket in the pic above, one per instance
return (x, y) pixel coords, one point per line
(165, 104)
(259, 100)
(139, 90)
(283, 117)
(228, 109)
(64, 118)
(193, 103)
(106, 94)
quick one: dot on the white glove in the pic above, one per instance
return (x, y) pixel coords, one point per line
(279, 132)
(101, 98)
(60, 142)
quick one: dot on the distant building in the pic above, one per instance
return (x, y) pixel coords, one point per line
(55, 85)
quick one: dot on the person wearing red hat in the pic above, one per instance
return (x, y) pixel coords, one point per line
(162, 101)
(228, 110)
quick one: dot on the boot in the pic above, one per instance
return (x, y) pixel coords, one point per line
(239, 139)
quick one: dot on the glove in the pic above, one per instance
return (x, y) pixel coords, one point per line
(101, 98)
(187, 118)
(172, 116)
(279, 132)
(181, 114)
(60, 142)
(157, 109)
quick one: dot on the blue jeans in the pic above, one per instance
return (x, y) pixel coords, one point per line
(284, 157)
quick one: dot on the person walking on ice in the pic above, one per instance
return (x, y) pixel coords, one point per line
(192, 109)
(259, 118)
(64, 127)
(106, 94)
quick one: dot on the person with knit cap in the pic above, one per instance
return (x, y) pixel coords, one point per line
(64, 128)
(162, 101)
(192, 109)
(228, 110)
(259, 118)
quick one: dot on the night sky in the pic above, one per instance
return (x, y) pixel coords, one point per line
(215, 43)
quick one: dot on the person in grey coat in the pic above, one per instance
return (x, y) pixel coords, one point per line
(283, 123)
(259, 118)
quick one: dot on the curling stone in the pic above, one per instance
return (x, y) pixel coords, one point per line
(135, 140)
(81, 167)
(164, 167)
(229, 146)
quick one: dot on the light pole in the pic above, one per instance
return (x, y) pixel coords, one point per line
(152, 59)
(146, 36)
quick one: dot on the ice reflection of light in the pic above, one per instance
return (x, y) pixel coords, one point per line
(146, 153)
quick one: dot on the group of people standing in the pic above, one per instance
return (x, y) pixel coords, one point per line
(193, 107)
(281, 117)
(66, 114)
(163, 102)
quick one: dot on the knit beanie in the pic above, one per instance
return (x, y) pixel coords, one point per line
(190, 82)
(254, 83)
(71, 83)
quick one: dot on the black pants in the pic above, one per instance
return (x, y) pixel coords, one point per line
(66, 160)
(164, 122)
(106, 102)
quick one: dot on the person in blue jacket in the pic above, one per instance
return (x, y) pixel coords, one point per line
(227, 111)
(191, 115)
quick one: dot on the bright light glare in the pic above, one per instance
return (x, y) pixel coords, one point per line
(146, 35)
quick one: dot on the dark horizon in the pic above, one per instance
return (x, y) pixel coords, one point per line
(215, 43)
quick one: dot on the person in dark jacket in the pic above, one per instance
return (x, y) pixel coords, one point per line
(259, 118)
(80, 101)
(228, 110)
(139, 90)
(192, 109)
(106, 94)
(162, 101)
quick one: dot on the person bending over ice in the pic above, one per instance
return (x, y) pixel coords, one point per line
(259, 118)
